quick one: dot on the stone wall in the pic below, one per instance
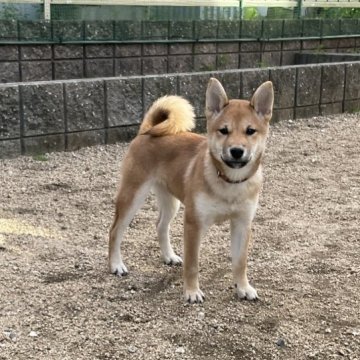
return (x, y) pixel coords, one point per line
(316, 58)
(62, 31)
(21, 63)
(41, 117)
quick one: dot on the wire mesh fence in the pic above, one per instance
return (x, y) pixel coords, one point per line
(167, 10)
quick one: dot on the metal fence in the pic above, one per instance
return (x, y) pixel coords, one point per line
(170, 9)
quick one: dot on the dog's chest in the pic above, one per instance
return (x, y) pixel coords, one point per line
(214, 210)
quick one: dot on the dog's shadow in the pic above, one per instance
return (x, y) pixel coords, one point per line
(158, 283)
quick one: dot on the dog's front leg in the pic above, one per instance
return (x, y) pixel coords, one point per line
(240, 239)
(193, 230)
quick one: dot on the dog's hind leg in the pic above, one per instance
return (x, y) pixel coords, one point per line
(168, 206)
(128, 201)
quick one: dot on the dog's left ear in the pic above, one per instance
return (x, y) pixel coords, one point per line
(216, 98)
(263, 100)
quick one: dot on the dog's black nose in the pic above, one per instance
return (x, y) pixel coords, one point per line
(236, 153)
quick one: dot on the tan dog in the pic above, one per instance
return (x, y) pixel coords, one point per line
(217, 177)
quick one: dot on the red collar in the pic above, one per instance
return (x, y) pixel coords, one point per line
(225, 178)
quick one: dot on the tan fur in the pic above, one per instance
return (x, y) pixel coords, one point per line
(217, 177)
(169, 115)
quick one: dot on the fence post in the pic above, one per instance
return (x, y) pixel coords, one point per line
(241, 9)
(299, 8)
(47, 11)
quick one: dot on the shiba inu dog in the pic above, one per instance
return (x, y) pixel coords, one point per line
(217, 177)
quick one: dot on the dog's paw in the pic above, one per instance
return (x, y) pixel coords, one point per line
(119, 269)
(194, 296)
(173, 260)
(246, 292)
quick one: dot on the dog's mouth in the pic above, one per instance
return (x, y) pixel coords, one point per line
(235, 164)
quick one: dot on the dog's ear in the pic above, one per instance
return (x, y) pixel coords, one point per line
(263, 100)
(216, 98)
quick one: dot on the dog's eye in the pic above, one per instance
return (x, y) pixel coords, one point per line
(250, 131)
(224, 131)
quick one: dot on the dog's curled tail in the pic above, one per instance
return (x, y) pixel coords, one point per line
(168, 115)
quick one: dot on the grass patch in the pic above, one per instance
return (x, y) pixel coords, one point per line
(40, 157)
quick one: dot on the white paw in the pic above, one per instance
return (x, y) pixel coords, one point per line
(172, 259)
(118, 269)
(194, 296)
(246, 292)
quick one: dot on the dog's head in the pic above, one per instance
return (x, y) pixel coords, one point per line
(237, 129)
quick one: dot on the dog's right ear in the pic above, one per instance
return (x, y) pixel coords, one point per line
(216, 98)
(263, 100)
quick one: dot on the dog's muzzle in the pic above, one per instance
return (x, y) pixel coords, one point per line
(236, 153)
(236, 160)
(235, 164)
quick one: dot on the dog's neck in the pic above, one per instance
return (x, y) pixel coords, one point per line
(220, 174)
(226, 179)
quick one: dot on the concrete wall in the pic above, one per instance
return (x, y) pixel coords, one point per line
(20, 63)
(41, 117)
(60, 31)
(316, 58)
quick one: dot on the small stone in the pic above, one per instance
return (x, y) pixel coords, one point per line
(180, 350)
(33, 334)
(132, 349)
(10, 335)
(327, 330)
(280, 343)
(132, 287)
(201, 315)
(341, 352)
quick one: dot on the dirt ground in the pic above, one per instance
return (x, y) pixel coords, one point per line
(57, 300)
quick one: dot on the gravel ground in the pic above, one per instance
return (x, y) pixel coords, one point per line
(58, 301)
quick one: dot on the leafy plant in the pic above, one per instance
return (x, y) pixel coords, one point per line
(40, 157)
(9, 12)
(250, 13)
(223, 60)
(263, 64)
(207, 67)
(319, 49)
(332, 13)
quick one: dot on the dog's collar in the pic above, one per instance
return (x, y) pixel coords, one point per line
(222, 176)
(225, 178)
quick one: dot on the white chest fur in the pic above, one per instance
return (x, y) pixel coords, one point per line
(216, 210)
